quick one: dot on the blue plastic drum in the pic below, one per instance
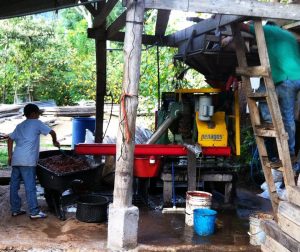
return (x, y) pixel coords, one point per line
(79, 125)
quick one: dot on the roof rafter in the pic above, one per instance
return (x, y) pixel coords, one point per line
(162, 22)
(146, 39)
(90, 7)
(104, 13)
(117, 25)
(239, 7)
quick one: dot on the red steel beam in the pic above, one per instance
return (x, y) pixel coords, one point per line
(140, 149)
(149, 150)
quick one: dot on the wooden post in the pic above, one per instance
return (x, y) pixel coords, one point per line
(123, 217)
(100, 43)
(129, 103)
(192, 172)
(101, 85)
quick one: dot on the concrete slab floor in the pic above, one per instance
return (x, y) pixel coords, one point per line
(157, 231)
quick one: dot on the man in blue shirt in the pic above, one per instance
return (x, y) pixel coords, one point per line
(24, 159)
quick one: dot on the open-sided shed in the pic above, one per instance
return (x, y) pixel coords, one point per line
(123, 216)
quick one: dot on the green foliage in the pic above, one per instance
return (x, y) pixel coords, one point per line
(3, 157)
(46, 58)
(247, 144)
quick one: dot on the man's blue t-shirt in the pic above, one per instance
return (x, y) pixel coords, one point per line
(27, 138)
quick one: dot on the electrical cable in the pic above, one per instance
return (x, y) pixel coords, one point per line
(110, 116)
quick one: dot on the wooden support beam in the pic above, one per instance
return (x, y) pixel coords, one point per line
(239, 7)
(101, 63)
(162, 22)
(290, 211)
(123, 216)
(105, 11)
(117, 25)
(146, 39)
(200, 28)
(96, 33)
(271, 245)
(101, 60)
(129, 99)
(292, 25)
(289, 227)
(192, 172)
(90, 7)
(256, 71)
(272, 230)
(119, 37)
(293, 193)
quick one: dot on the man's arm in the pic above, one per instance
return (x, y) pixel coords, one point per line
(54, 139)
(10, 144)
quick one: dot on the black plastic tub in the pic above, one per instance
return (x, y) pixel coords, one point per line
(61, 182)
(56, 183)
(92, 208)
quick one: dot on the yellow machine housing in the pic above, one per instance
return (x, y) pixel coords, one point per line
(212, 133)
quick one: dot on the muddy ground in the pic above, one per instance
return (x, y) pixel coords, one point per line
(157, 231)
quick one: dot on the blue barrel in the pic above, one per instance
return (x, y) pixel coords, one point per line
(204, 221)
(79, 125)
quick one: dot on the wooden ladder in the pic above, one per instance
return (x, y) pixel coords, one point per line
(276, 130)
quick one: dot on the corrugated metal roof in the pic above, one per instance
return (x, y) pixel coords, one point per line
(16, 8)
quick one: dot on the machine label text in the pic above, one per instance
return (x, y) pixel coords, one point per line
(213, 137)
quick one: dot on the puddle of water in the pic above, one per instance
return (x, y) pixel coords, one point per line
(159, 229)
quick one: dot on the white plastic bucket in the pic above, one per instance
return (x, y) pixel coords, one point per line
(257, 236)
(194, 200)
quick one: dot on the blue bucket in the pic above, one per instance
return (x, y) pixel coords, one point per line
(204, 221)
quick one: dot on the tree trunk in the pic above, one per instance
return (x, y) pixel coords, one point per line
(129, 103)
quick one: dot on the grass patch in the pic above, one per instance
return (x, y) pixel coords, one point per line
(3, 156)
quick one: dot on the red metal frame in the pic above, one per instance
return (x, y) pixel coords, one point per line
(149, 150)
(216, 151)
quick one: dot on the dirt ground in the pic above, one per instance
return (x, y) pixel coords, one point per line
(157, 231)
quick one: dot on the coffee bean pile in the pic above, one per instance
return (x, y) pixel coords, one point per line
(61, 164)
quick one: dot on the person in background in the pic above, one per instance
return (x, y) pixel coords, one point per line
(24, 159)
(284, 57)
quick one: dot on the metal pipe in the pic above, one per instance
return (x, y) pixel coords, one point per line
(161, 130)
